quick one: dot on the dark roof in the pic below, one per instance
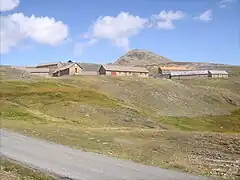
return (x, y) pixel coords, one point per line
(33, 70)
(48, 64)
(90, 66)
(125, 68)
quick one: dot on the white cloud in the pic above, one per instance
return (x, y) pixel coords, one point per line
(8, 5)
(16, 27)
(205, 16)
(226, 3)
(170, 15)
(10, 36)
(167, 25)
(42, 29)
(79, 48)
(122, 42)
(164, 20)
(117, 29)
(121, 28)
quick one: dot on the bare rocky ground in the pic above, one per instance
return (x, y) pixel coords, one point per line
(141, 57)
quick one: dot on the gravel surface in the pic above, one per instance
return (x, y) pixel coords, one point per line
(78, 165)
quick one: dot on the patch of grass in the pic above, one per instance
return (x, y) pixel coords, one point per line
(11, 111)
(51, 92)
(13, 171)
(222, 123)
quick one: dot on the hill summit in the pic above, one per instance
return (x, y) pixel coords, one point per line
(139, 57)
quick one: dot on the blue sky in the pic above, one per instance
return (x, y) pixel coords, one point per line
(100, 31)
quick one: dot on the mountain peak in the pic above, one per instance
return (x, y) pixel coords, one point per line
(139, 57)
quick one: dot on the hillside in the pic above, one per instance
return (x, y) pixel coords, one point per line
(10, 73)
(139, 57)
(152, 61)
(187, 125)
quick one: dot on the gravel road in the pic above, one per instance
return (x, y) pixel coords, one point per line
(78, 165)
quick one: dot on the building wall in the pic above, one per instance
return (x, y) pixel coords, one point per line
(68, 72)
(89, 73)
(225, 76)
(102, 71)
(64, 72)
(218, 76)
(52, 68)
(189, 77)
(121, 73)
(72, 70)
(56, 74)
(108, 73)
(40, 74)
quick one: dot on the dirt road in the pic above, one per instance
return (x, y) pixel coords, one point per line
(78, 165)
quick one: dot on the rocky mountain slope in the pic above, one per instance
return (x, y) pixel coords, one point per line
(152, 61)
(139, 57)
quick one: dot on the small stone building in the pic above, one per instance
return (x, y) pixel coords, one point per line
(69, 69)
(217, 74)
(51, 66)
(115, 70)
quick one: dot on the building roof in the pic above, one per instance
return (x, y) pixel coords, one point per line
(175, 68)
(90, 66)
(188, 73)
(124, 68)
(33, 70)
(89, 73)
(218, 72)
(48, 64)
(67, 66)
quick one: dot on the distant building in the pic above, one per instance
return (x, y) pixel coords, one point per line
(188, 74)
(35, 71)
(217, 74)
(167, 68)
(52, 66)
(70, 69)
(115, 70)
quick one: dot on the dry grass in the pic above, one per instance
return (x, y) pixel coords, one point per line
(166, 97)
(12, 171)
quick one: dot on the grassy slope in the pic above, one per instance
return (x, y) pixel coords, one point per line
(12, 171)
(166, 97)
(108, 115)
